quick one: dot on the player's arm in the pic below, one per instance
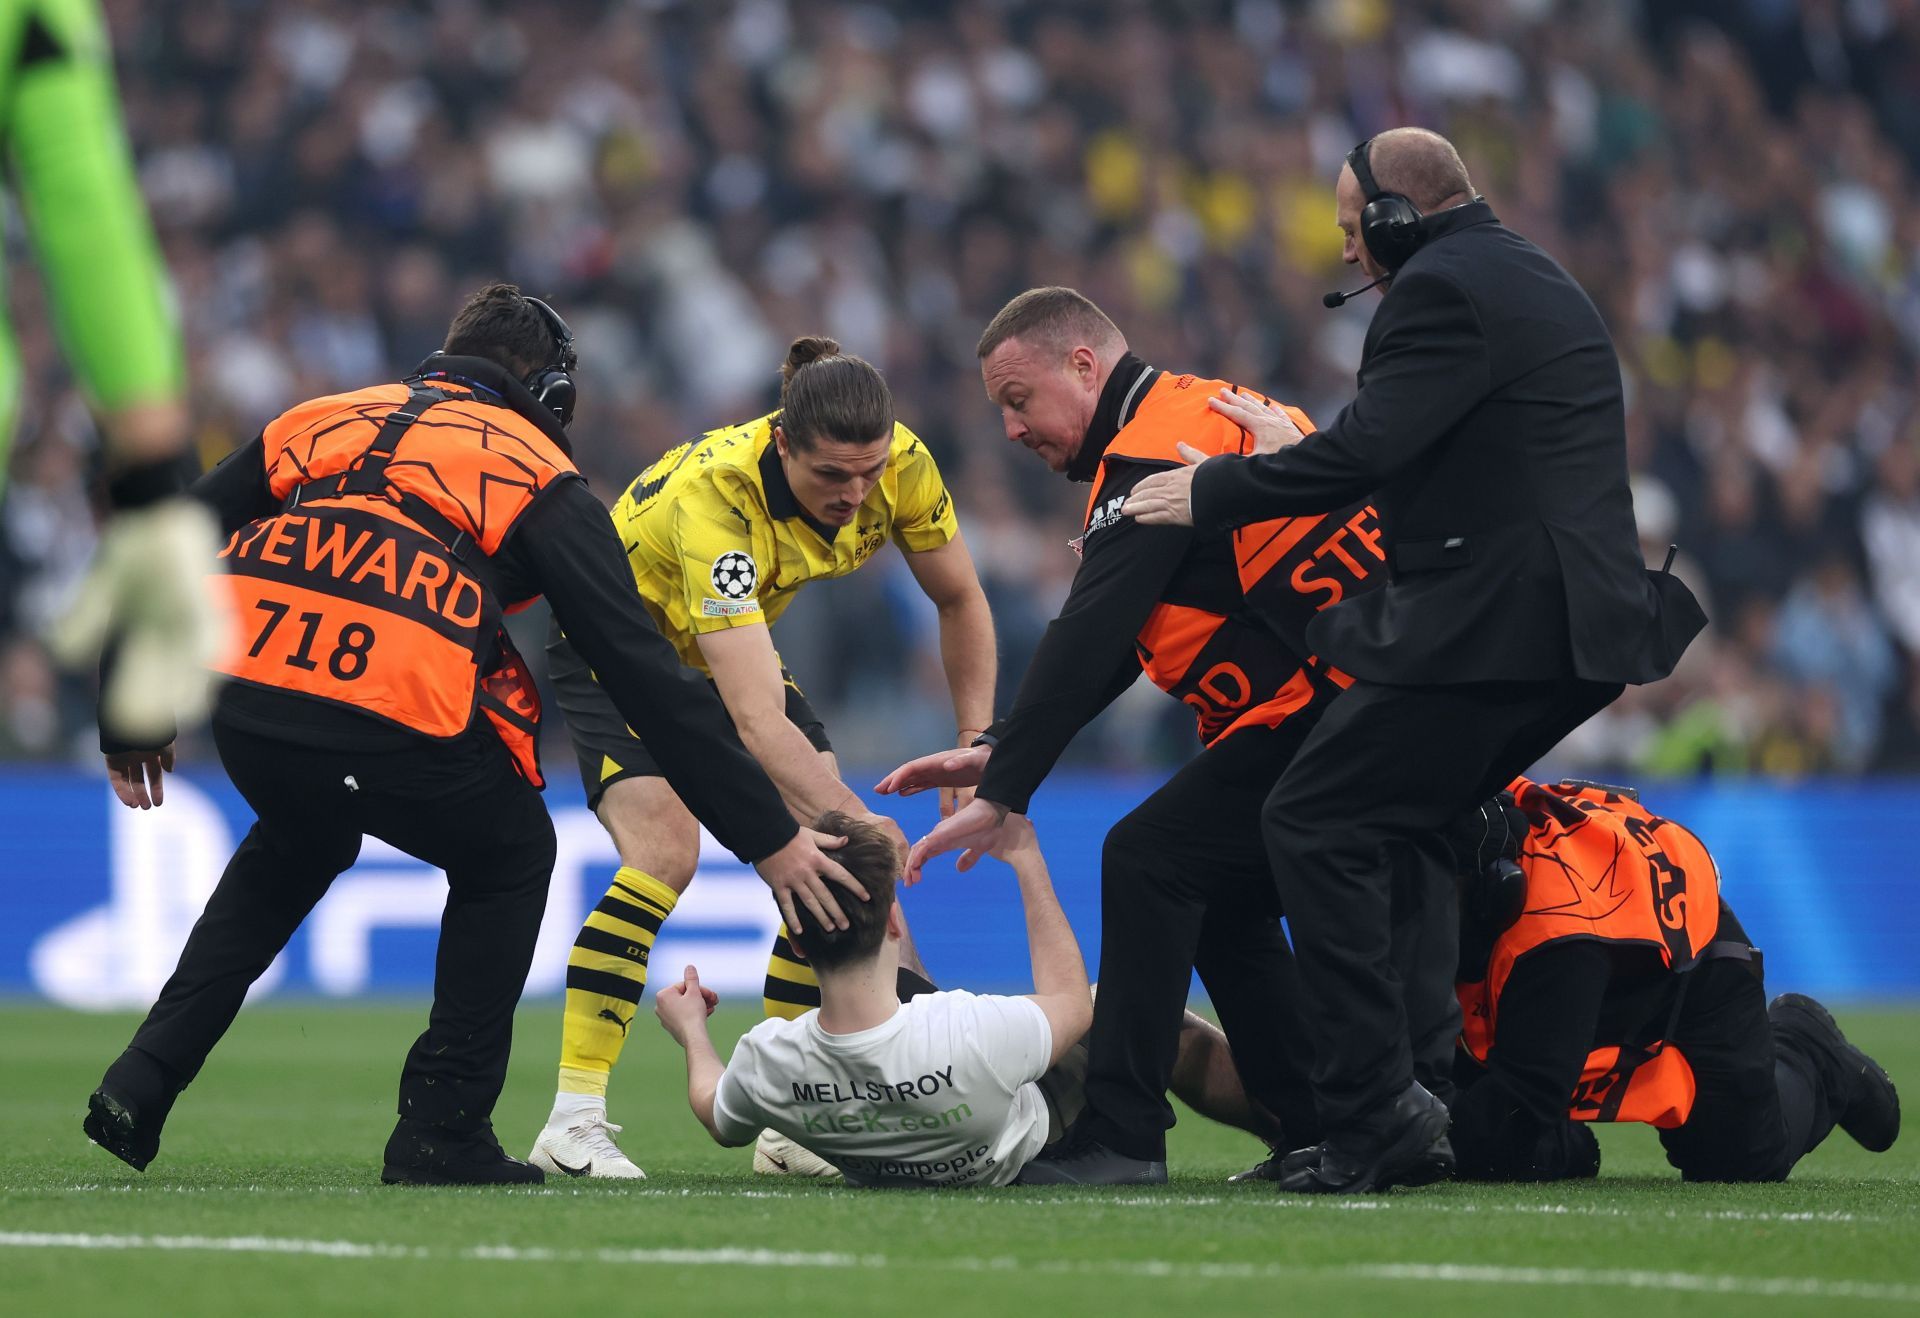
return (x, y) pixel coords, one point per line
(575, 559)
(967, 650)
(746, 670)
(1060, 986)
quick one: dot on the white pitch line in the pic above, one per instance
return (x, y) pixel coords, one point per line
(1251, 1199)
(1458, 1273)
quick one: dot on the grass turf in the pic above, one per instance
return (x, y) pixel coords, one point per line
(266, 1198)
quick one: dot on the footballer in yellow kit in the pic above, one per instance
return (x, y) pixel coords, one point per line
(721, 533)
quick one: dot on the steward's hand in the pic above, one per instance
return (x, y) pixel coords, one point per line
(1272, 429)
(798, 872)
(684, 1006)
(149, 587)
(136, 776)
(1166, 497)
(942, 769)
(974, 830)
(952, 798)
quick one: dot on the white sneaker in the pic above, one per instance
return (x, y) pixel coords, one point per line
(585, 1148)
(776, 1155)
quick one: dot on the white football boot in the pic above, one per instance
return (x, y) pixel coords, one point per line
(583, 1147)
(776, 1155)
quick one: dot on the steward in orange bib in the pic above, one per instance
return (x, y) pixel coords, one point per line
(376, 541)
(1604, 978)
(1219, 621)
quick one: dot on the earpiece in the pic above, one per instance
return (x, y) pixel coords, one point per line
(553, 383)
(1391, 226)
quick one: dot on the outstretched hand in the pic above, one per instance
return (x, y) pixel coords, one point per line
(943, 769)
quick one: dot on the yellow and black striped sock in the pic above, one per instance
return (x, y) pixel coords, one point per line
(607, 976)
(792, 990)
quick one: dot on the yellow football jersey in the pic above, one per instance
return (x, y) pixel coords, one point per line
(717, 539)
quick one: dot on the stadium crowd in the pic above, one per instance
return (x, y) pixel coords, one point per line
(693, 185)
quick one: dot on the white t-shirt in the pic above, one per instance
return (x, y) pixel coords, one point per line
(941, 1094)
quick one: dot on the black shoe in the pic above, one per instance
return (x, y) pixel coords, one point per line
(1267, 1169)
(1870, 1111)
(1086, 1161)
(126, 1113)
(1406, 1144)
(419, 1154)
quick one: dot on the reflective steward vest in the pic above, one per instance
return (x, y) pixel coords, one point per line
(1602, 866)
(1250, 667)
(373, 587)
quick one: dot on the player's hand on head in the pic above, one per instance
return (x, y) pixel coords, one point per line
(955, 768)
(971, 830)
(799, 874)
(1267, 423)
(138, 776)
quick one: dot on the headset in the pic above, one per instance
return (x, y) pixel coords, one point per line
(1391, 226)
(553, 383)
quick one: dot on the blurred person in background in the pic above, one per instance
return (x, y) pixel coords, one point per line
(73, 174)
(721, 534)
(841, 166)
(377, 540)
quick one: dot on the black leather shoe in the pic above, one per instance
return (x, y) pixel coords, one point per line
(419, 1154)
(126, 1113)
(1870, 1113)
(1406, 1144)
(1267, 1169)
(1089, 1162)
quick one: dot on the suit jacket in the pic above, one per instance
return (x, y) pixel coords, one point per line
(1490, 431)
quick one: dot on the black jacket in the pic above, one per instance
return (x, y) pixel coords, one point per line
(1490, 431)
(563, 547)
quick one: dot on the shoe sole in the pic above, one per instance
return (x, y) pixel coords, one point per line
(1156, 1175)
(392, 1175)
(111, 1126)
(1871, 1071)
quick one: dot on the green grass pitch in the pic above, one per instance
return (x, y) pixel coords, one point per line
(266, 1199)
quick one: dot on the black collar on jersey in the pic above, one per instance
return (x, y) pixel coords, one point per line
(1119, 400)
(781, 501)
(492, 383)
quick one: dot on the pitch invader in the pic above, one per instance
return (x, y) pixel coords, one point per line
(721, 533)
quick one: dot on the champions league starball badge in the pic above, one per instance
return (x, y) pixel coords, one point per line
(735, 575)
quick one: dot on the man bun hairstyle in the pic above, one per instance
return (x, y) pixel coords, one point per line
(1051, 320)
(870, 857)
(832, 395)
(499, 324)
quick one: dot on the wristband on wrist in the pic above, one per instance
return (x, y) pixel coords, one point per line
(142, 484)
(991, 734)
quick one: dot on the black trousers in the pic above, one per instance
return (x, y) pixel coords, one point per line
(1765, 1095)
(1351, 830)
(1186, 885)
(459, 806)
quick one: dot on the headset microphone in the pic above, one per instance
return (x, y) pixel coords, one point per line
(1332, 300)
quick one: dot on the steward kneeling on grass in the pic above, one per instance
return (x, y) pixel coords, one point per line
(1604, 978)
(943, 1088)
